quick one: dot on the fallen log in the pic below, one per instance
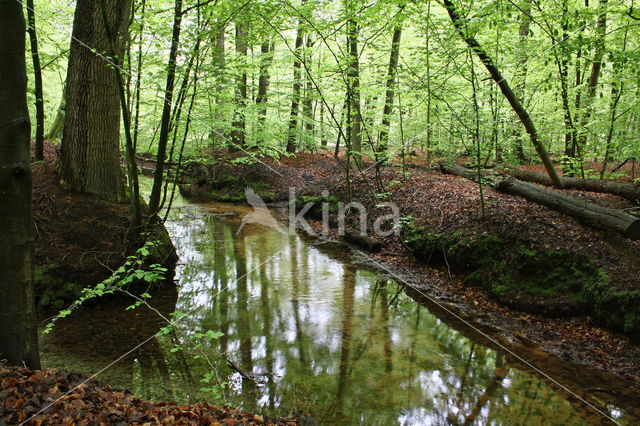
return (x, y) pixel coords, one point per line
(454, 169)
(589, 213)
(629, 191)
(364, 241)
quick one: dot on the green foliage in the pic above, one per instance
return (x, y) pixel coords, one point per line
(134, 270)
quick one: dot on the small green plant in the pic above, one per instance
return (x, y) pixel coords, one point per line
(134, 269)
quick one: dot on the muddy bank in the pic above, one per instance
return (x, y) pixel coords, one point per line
(80, 240)
(443, 206)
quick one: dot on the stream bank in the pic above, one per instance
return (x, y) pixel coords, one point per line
(80, 239)
(444, 206)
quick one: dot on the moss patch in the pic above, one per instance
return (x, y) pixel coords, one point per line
(548, 282)
(317, 202)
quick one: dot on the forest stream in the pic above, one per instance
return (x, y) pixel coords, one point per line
(298, 326)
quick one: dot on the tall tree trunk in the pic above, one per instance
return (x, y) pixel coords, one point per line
(139, 60)
(18, 332)
(428, 71)
(132, 168)
(154, 200)
(353, 78)
(521, 70)
(596, 66)
(238, 126)
(307, 105)
(563, 68)
(266, 57)
(219, 65)
(37, 79)
(90, 151)
(295, 100)
(383, 139)
(501, 81)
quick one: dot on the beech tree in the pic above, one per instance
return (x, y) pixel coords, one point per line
(90, 152)
(18, 332)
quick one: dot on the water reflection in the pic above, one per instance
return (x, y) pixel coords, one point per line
(304, 331)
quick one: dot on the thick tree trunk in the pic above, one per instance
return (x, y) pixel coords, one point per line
(511, 97)
(628, 191)
(37, 79)
(90, 152)
(18, 332)
(588, 213)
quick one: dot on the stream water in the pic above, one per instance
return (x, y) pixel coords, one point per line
(297, 326)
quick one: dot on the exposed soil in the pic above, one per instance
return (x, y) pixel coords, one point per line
(445, 203)
(81, 236)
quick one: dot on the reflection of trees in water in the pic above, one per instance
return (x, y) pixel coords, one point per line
(363, 351)
(94, 337)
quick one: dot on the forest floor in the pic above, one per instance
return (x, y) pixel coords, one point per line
(447, 203)
(55, 398)
(80, 240)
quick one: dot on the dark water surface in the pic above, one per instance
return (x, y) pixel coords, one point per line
(303, 329)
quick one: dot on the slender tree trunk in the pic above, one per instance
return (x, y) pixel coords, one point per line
(18, 332)
(266, 57)
(90, 151)
(238, 127)
(307, 105)
(295, 100)
(521, 71)
(37, 78)
(383, 139)
(57, 127)
(323, 136)
(522, 113)
(617, 87)
(219, 64)
(139, 60)
(596, 66)
(563, 68)
(353, 78)
(428, 71)
(154, 201)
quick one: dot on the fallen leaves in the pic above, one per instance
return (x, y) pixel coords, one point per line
(59, 398)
